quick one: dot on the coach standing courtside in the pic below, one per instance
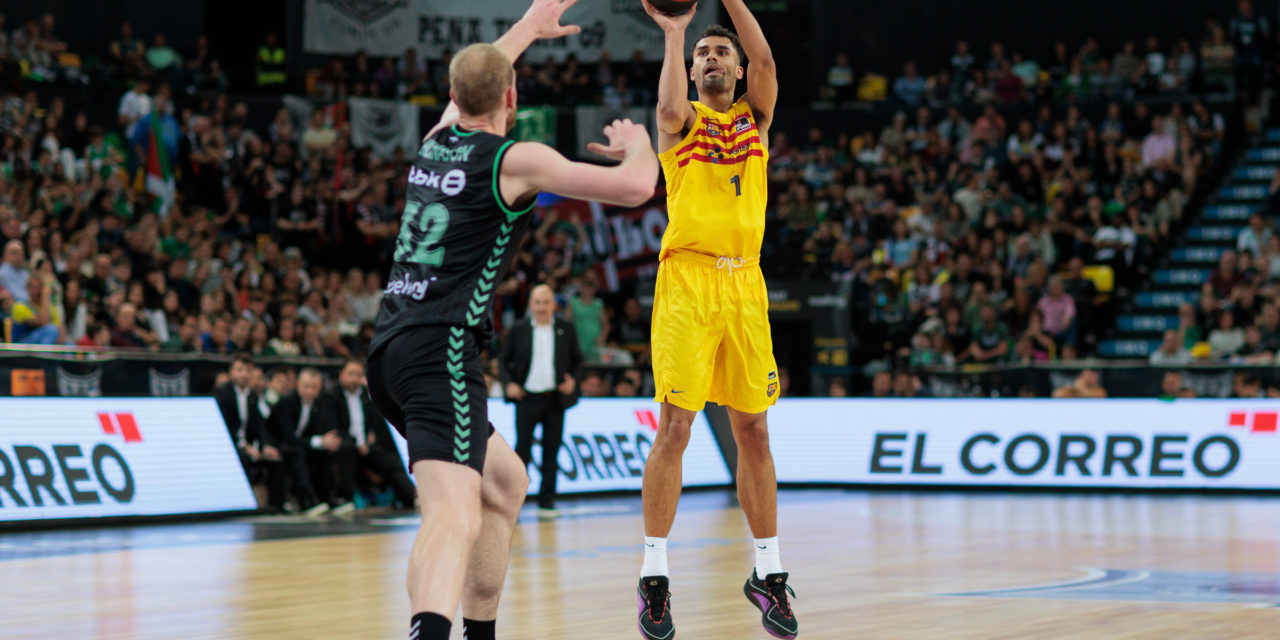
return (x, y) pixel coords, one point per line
(540, 366)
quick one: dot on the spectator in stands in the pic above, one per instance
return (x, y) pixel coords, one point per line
(1225, 278)
(882, 384)
(840, 79)
(1172, 388)
(910, 87)
(1086, 385)
(1226, 339)
(127, 52)
(990, 338)
(1171, 351)
(127, 333)
(1059, 311)
(1255, 237)
(134, 105)
(163, 59)
(587, 312)
(13, 272)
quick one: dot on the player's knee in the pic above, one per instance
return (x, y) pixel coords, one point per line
(752, 436)
(461, 517)
(507, 496)
(674, 433)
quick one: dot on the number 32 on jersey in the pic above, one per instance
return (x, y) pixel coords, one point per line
(420, 234)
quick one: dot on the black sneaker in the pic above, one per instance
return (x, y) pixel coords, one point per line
(655, 608)
(770, 597)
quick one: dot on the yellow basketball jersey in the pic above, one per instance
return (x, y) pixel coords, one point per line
(717, 185)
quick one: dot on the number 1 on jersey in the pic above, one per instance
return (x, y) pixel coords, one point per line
(737, 184)
(431, 220)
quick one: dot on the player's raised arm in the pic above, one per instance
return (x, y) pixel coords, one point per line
(541, 21)
(530, 168)
(675, 114)
(762, 72)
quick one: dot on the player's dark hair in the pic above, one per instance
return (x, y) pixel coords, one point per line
(717, 31)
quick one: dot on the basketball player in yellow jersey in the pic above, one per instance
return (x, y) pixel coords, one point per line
(710, 317)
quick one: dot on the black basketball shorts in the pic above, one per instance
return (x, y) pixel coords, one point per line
(429, 384)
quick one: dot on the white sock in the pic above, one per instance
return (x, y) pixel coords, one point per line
(655, 557)
(767, 559)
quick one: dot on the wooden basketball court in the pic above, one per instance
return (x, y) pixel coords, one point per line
(864, 565)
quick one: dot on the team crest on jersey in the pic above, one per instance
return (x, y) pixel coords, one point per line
(713, 129)
(741, 124)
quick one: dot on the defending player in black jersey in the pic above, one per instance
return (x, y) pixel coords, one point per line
(470, 192)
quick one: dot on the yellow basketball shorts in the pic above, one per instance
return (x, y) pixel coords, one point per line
(711, 337)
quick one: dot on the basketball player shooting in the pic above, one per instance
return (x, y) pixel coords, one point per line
(467, 206)
(711, 336)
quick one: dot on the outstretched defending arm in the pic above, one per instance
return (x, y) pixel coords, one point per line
(762, 72)
(675, 114)
(530, 168)
(540, 21)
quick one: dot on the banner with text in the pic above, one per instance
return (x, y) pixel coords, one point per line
(606, 443)
(384, 126)
(94, 457)
(432, 27)
(1130, 444)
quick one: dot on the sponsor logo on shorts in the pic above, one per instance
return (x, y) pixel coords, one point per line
(773, 375)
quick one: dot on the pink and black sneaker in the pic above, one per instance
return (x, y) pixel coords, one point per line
(655, 608)
(770, 597)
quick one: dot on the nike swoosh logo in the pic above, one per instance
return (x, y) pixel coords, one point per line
(650, 546)
(761, 547)
(674, 391)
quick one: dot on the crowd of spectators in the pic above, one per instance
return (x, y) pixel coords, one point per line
(963, 230)
(1228, 56)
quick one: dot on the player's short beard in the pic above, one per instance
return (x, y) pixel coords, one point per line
(715, 84)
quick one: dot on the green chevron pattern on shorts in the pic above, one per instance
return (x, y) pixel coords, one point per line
(461, 409)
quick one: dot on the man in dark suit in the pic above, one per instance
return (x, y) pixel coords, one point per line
(366, 440)
(305, 428)
(247, 428)
(540, 366)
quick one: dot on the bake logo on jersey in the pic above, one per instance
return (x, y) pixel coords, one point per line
(451, 183)
(741, 124)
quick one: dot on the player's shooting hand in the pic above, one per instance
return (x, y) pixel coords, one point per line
(670, 24)
(544, 17)
(622, 134)
(252, 452)
(270, 453)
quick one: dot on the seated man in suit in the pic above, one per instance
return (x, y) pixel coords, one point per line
(304, 426)
(366, 440)
(540, 365)
(240, 410)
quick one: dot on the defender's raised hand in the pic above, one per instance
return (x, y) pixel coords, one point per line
(623, 135)
(544, 17)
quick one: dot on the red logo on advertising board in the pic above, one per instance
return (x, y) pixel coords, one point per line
(121, 424)
(646, 418)
(1254, 421)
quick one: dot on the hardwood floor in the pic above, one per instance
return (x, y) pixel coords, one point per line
(864, 565)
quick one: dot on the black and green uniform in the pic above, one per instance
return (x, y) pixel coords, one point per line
(457, 239)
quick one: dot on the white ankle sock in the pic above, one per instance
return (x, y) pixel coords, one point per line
(655, 557)
(767, 559)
